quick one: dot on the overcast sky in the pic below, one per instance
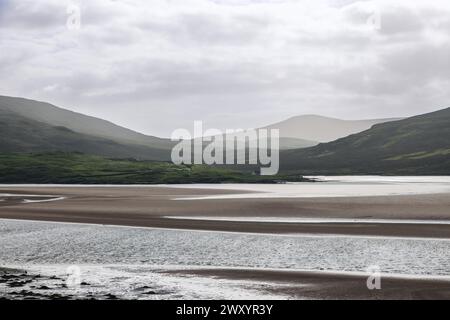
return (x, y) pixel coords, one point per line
(158, 65)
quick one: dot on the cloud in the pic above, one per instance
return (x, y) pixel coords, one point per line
(158, 65)
(23, 15)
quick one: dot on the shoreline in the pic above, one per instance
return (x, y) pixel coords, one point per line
(154, 207)
(274, 234)
(327, 285)
(27, 284)
(301, 235)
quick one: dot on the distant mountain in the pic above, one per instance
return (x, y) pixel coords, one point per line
(310, 130)
(32, 126)
(417, 145)
(287, 143)
(284, 143)
(322, 129)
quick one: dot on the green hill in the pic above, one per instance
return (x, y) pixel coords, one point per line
(417, 145)
(32, 126)
(77, 168)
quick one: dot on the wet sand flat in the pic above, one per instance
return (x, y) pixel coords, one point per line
(149, 207)
(326, 285)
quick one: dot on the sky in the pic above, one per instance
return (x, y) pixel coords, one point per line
(155, 66)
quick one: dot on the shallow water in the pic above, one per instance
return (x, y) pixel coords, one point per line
(313, 220)
(30, 198)
(332, 186)
(329, 186)
(57, 243)
(126, 261)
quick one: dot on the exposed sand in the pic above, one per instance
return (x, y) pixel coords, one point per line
(148, 207)
(323, 285)
(289, 284)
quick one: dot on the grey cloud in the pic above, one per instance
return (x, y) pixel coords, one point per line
(158, 68)
(419, 64)
(208, 29)
(32, 15)
(399, 72)
(400, 20)
(394, 19)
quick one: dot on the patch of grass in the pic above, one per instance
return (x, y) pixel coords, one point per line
(421, 155)
(414, 146)
(78, 168)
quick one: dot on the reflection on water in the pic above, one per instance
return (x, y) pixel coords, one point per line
(56, 243)
(124, 262)
(337, 186)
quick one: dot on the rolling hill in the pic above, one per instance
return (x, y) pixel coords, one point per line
(416, 145)
(32, 126)
(309, 130)
(46, 127)
(322, 129)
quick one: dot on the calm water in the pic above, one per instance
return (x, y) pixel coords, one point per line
(56, 243)
(125, 261)
(330, 186)
(333, 186)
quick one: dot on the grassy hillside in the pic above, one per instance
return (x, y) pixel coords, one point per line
(76, 168)
(52, 115)
(21, 134)
(417, 145)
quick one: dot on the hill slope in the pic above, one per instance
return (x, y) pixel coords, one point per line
(20, 134)
(287, 143)
(50, 114)
(417, 145)
(322, 129)
(31, 126)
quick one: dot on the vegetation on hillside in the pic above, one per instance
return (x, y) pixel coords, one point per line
(415, 146)
(77, 168)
